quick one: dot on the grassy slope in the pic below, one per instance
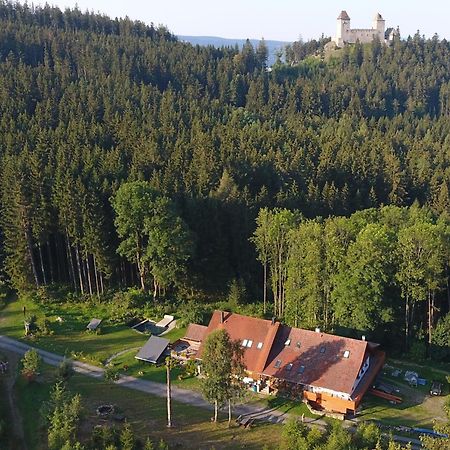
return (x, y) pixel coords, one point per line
(71, 336)
(146, 413)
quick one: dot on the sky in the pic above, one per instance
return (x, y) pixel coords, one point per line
(284, 20)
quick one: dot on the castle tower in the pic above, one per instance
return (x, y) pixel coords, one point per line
(343, 28)
(379, 24)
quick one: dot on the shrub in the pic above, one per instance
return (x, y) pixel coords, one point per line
(418, 350)
(190, 368)
(190, 312)
(43, 326)
(31, 363)
(104, 436)
(65, 369)
(440, 348)
(237, 293)
(111, 373)
(127, 439)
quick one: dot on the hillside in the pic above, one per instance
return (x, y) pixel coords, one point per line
(272, 46)
(98, 115)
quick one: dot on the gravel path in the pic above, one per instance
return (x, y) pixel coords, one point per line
(181, 395)
(116, 355)
(258, 411)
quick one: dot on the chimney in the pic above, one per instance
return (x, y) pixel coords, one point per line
(317, 330)
(363, 337)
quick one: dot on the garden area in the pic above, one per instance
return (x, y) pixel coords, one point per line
(418, 407)
(146, 415)
(61, 327)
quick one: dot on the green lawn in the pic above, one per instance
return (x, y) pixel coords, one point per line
(129, 365)
(146, 413)
(71, 337)
(418, 408)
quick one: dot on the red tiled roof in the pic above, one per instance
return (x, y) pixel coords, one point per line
(242, 328)
(327, 368)
(343, 16)
(195, 332)
(322, 358)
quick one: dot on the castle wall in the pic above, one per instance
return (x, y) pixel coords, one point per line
(346, 35)
(364, 36)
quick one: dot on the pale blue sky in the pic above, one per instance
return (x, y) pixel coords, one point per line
(274, 19)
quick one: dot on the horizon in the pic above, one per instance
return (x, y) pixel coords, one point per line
(286, 21)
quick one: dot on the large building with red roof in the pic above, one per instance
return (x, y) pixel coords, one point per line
(331, 372)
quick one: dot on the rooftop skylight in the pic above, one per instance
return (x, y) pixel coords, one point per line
(287, 343)
(301, 369)
(322, 349)
(259, 346)
(278, 364)
(346, 353)
(289, 367)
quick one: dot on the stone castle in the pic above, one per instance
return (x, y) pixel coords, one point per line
(346, 35)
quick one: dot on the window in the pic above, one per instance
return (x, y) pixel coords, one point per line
(259, 346)
(301, 369)
(278, 364)
(244, 343)
(298, 344)
(249, 343)
(322, 349)
(289, 367)
(287, 343)
(346, 353)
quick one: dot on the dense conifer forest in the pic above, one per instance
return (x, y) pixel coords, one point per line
(113, 132)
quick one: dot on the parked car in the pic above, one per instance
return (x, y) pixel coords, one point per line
(436, 388)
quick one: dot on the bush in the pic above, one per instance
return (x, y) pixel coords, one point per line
(440, 347)
(237, 293)
(111, 373)
(65, 369)
(43, 326)
(418, 350)
(190, 368)
(190, 312)
(127, 439)
(3, 293)
(104, 436)
(31, 364)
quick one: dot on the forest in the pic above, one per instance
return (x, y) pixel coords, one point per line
(319, 187)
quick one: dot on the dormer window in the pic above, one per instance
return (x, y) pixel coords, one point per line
(278, 364)
(287, 343)
(259, 346)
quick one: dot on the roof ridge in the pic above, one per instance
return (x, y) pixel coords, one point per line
(267, 346)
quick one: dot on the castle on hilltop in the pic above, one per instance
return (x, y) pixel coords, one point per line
(346, 35)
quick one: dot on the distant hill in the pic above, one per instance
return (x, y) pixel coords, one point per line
(272, 46)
